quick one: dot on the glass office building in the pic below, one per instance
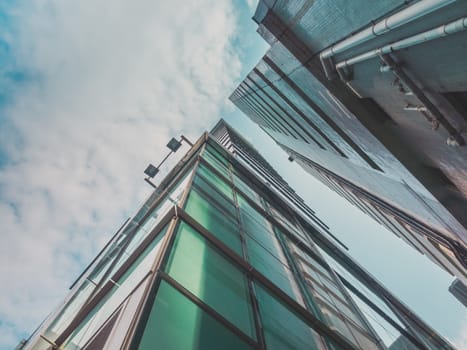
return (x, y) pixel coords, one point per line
(225, 255)
(383, 129)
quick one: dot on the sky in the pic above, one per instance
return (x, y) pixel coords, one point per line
(90, 93)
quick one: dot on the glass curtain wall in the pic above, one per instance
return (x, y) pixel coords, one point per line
(218, 261)
(232, 228)
(121, 269)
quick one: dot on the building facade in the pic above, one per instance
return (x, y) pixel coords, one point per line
(225, 255)
(459, 290)
(370, 98)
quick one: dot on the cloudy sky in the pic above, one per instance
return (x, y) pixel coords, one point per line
(90, 92)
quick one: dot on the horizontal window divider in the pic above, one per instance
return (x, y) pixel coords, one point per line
(136, 328)
(381, 313)
(96, 298)
(208, 309)
(81, 315)
(303, 313)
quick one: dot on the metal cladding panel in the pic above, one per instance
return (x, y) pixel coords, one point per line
(393, 191)
(319, 23)
(308, 111)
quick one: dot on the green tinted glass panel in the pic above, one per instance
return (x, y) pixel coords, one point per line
(175, 323)
(266, 261)
(225, 202)
(217, 154)
(215, 221)
(283, 330)
(115, 297)
(246, 189)
(201, 269)
(215, 181)
(219, 166)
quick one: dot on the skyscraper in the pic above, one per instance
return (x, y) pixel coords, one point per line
(225, 255)
(369, 97)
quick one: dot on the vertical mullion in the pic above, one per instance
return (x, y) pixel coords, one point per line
(143, 311)
(252, 294)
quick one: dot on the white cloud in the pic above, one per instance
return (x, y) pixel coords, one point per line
(461, 340)
(111, 82)
(252, 4)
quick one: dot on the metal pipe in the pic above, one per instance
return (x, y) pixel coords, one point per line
(435, 33)
(394, 21)
(398, 19)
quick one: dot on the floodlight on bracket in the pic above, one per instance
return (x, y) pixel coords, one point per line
(173, 145)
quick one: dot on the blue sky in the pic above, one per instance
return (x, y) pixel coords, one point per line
(90, 92)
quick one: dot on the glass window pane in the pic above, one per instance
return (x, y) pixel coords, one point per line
(115, 296)
(175, 323)
(212, 151)
(215, 181)
(215, 221)
(265, 260)
(218, 165)
(283, 330)
(207, 274)
(214, 195)
(70, 311)
(246, 189)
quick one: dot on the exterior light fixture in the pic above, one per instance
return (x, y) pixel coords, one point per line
(173, 146)
(151, 171)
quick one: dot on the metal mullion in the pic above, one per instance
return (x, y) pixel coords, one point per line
(135, 334)
(271, 218)
(118, 309)
(348, 300)
(138, 323)
(91, 303)
(256, 117)
(259, 109)
(273, 110)
(104, 249)
(251, 289)
(299, 310)
(351, 325)
(370, 282)
(270, 193)
(74, 288)
(412, 222)
(381, 313)
(189, 184)
(64, 336)
(299, 112)
(217, 204)
(164, 195)
(289, 114)
(302, 285)
(208, 309)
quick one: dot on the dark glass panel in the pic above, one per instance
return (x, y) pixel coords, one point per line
(215, 181)
(116, 296)
(211, 218)
(175, 323)
(226, 203)
(283, 330)
(216, 164)
(201, 269)
(219, 157)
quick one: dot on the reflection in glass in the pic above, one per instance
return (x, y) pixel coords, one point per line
(175, 323)
(202, 270)
(113, 299)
